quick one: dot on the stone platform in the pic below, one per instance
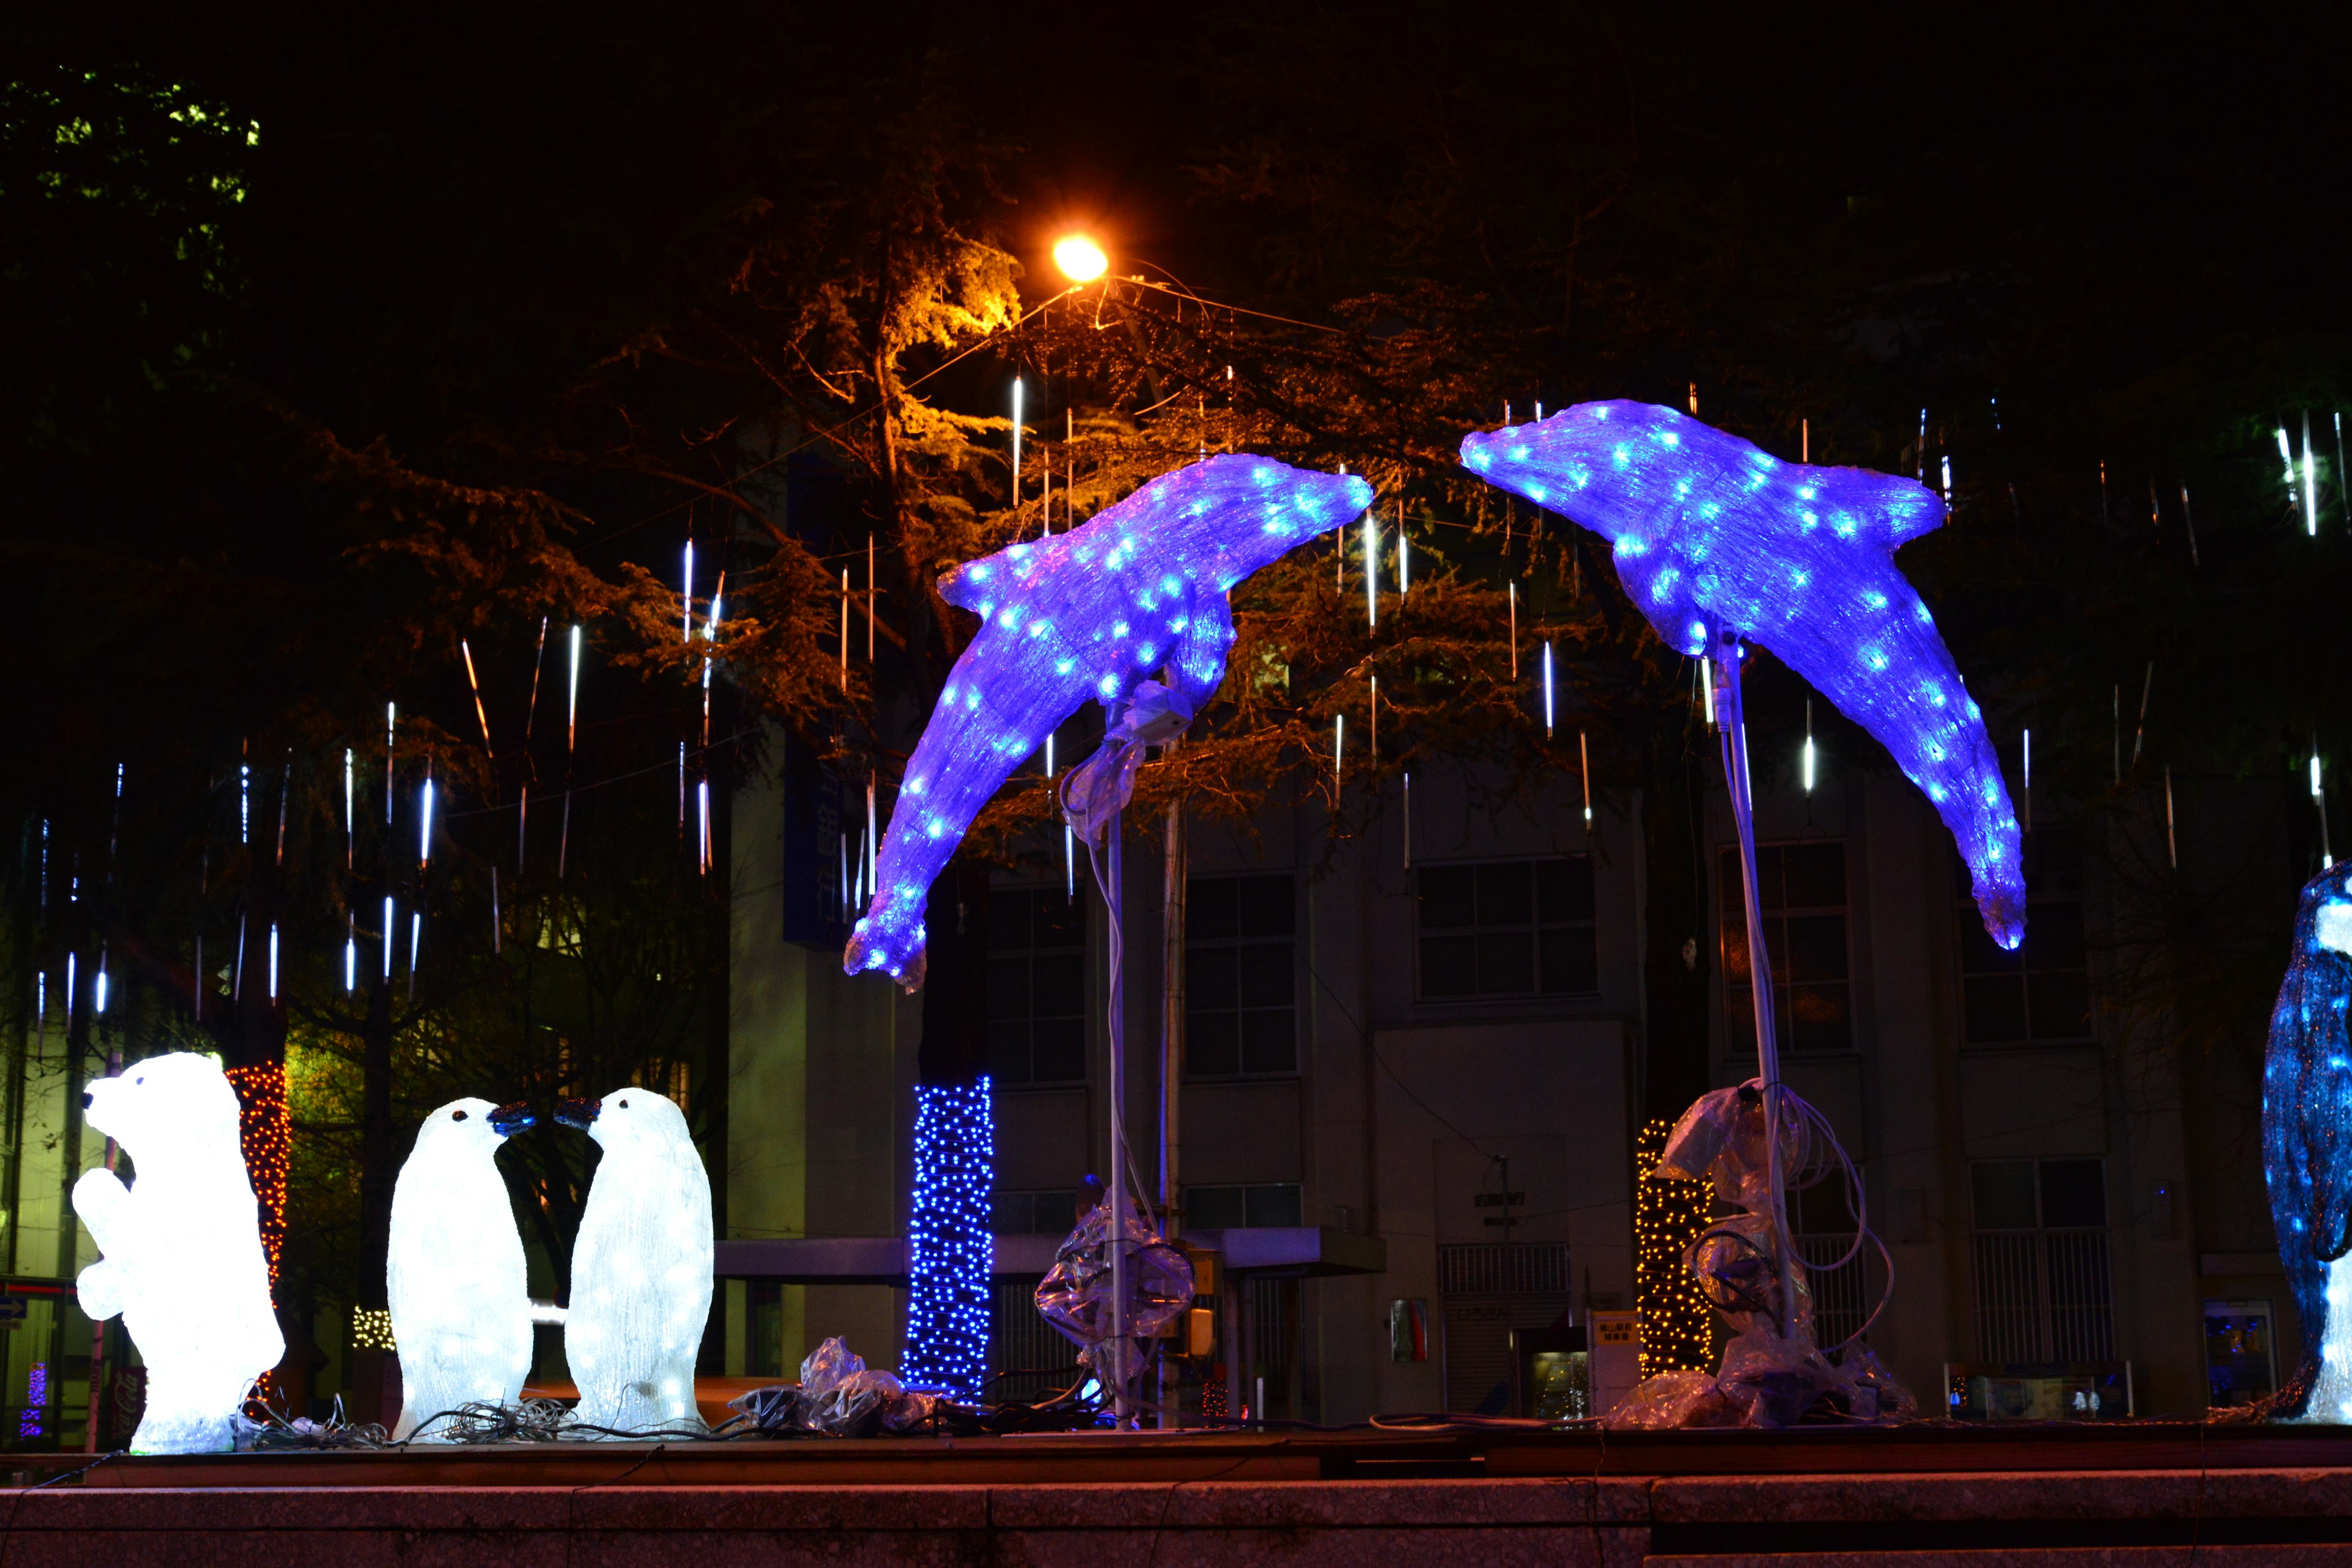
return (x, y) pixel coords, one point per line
(1924, 1496)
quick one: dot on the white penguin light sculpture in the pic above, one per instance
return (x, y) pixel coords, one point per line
(181, 1249)
(455, 1279)
(641, 1266)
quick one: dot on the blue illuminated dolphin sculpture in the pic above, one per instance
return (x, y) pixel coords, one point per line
(1092, 612)
(2307, 1147)
(1709, 532)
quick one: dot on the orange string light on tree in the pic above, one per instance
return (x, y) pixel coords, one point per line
(1677, 1327)
(265, 1130)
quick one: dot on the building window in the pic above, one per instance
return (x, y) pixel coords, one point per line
(2044, 1293)
(1801, 895)
(763, 1336)
(1052, 1213)
(1844, 1295)
(1036, 987)
(1507, 928)
(1240, 977)
(2042, 992)
(1230, 1208)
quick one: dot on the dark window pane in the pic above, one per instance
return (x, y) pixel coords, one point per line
(1210, 978)
(1267, 975)
(1269, 1041)
(1995, 1008)
(1564, 888)
(2053, 862)
(1815, 874)
(1822, 1209)
(1505, 894)
(1735, 952)
(1739, 1020)
(1056, 1214)
(1569, 965)
(1008, 988)
(1734, 892)
(1769, 875)
(1058, 921)
(1008, 1053)
(2060, 1005)
(1276, 1203)
(1506, 963)
(1209, 908)
(1449, 965)
(1212, 1208)
(1212, 1044)
(1814, 948)
(1058, 985)
(1449, 897)
(1061, 1050)
(1008, 921)
(1009, 1213)
(1265, 905)
(1817, 1019)
(2003, 1190)
(2073, 1192)
(2054, 936)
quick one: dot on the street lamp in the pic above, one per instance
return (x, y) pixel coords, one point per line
(1081, 258)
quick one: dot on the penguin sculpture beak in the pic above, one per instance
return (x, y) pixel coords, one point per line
(509, 1119)
(579, 1113)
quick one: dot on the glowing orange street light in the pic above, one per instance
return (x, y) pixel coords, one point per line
(1081, 258)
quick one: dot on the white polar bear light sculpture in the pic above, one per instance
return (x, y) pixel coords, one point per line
(455, 1279)
(641, 1266)
(180, 1250)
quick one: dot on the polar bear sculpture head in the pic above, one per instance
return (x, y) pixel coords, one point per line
(170, 1112)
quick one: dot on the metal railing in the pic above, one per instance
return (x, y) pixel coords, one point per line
(2044, 1296)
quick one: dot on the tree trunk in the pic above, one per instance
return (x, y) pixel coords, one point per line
(954, 1048)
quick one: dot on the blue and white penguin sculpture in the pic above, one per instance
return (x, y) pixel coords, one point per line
(640, 1267)
(455, 1277)
(2307, 1147)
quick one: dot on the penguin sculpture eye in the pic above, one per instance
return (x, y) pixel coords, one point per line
(457, 1116)
(139, 1079)
(624, 1105)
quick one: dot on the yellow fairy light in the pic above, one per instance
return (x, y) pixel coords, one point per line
(1677, 1327)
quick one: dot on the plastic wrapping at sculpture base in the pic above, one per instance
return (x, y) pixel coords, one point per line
(1075, 1295)
(1767, 1378)
(837, 1396)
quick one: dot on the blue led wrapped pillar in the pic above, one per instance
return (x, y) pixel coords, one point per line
(2308, 1146)
(949, 1252)
(1711, 534)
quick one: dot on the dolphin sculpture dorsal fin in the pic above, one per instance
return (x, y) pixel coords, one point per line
(1137, 589)
(1709, 532)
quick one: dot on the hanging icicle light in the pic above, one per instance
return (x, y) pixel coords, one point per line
(388, 929)
(391, 730)
(1547, 690)
(350, 826)
(2310, 483)
(1404, 558)
(1371, 571)
(425, 826)
(1017, 440)
(1809, 746)
(686, 596)
(2025, 785)
(273, 960)
(350, 954)
(1584, 771)
(1947, 481)
(572, 713)
(2286, 458)
(97, 984)
(245, 803)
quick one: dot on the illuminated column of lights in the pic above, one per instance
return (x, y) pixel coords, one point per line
(1677, 1327)
(949, 1252)
(265, 1131)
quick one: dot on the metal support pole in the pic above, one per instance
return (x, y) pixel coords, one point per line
(1115, 1234)
(1731, 722)
(1171, 1038)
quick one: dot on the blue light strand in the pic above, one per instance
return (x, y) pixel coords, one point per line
(1091, 612)
(1708, 530)
(951, 1254)
(2307, 1141)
